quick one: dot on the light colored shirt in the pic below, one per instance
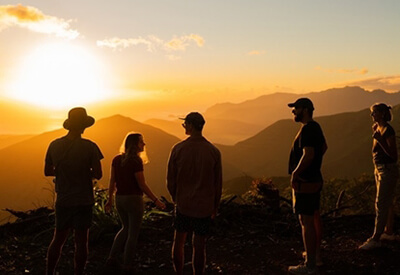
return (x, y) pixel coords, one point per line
(194, 177)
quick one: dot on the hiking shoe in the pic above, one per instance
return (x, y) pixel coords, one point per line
(301, 269)
(387, 237)
(370, 244)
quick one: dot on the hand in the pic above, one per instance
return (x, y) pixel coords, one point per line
(374, 127)
(377, 135)
(108, 206)
(160, 205)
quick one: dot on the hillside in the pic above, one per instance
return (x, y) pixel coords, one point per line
(268, 109)
(229, 123)
(8, 140)
(349, 146)
(246, 239)
(24, 185)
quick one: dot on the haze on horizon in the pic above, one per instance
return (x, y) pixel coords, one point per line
(166, 58)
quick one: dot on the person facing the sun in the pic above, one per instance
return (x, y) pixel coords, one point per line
(384, 155)
(74, 162)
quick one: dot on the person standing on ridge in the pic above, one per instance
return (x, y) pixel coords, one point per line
(384, 155)
(128, 183)
(194, 181)
(74, 162)
(305, 162)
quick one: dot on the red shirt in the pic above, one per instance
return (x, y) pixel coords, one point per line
(125, 175)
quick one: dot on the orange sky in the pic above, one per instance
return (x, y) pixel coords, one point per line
(165, 58)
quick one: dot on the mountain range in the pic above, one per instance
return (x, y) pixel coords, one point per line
(264, 154)
(229, 123)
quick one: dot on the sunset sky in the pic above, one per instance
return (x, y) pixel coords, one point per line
(188, 54)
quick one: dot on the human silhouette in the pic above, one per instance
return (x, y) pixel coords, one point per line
(384, 155)
(128, 182)
(194, 181)
(305, 162)
(74, 162)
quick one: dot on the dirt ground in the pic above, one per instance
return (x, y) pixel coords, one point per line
(246, 240)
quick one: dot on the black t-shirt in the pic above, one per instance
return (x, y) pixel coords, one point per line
(378, 154)
(309, 135)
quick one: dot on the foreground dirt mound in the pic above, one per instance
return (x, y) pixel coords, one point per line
(247, 239)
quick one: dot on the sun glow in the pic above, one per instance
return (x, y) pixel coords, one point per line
(59, 76)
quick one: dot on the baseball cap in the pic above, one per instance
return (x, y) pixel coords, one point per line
(302, 102)
(194, 118)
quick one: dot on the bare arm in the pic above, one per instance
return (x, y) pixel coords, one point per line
(171, 176)
(218, 186)
(305, 161)
(111, 190)
(96, 169)
(145, 188)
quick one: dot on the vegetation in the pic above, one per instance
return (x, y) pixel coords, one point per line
(249, 237)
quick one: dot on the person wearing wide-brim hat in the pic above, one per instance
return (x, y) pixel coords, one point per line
(74, 162)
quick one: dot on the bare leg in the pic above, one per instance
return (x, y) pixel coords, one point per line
(318, 232)
(199, 254)
(178, 251)
(81, 250)
(54, 250)
(309, 238)
(390, 220)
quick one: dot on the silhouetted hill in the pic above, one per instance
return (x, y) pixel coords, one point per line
(348, 136)
(268, 109)
(229, 123)
(24, 185)
(22, 180)
(8, 140)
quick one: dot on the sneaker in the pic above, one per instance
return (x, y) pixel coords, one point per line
(318, 260)
(301, 269)
(387, 237)
(370, 244)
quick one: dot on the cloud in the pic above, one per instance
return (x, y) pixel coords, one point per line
(343, 71)
(181, 43)
(118, 43)
(387, 83)
(154, 43)
(255, 52)
(33, 19)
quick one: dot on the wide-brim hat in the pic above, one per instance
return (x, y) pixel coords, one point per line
(78, 119)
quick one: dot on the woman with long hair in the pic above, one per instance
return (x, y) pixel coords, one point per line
(128, 182)
(384, 155)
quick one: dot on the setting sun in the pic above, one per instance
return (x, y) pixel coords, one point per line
(58, 76)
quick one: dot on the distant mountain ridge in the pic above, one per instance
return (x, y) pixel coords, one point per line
(268, 109)
(229, 123)
(24, 185)
(349, 141)
(266, 154)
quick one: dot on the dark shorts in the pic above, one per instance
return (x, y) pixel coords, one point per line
(306, 203)
(76, 217)
(200, 226)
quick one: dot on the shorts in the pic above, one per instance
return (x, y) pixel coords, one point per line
(200, 226)
(306, 203)
(77, 217)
